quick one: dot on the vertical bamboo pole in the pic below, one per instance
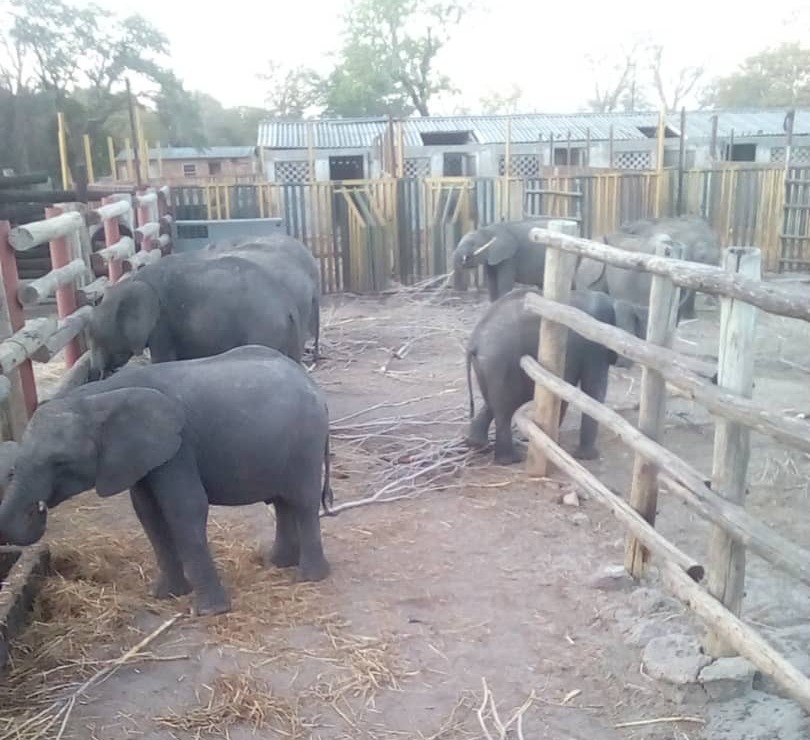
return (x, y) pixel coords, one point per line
(63, 157)
(559, 274)
(111, 154)
(88, 159)
(130, 160)
(507, 167)
(311, 151)
(681, 163)
(661, 322)
(659, 193)
(732, 441)
(610, 146)
(159, 151)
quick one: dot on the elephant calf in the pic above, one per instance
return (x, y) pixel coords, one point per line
(243, 427)
(505, 333)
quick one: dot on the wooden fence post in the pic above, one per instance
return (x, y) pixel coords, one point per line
(732, 441)
(65, 294)
(661, 322)
(558, 276)
(112, 235)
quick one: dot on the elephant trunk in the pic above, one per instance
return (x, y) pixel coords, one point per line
(23, 518)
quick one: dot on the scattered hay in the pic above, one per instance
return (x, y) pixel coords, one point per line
(239, 699)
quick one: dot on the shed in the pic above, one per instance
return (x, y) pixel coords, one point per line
(190, 164)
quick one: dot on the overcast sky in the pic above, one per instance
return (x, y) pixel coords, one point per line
(540, 46)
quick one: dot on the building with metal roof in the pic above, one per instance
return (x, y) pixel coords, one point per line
(357, 148)
(192, 164)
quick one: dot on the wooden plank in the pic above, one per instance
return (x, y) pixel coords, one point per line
(664, 298)
(684, 481)
(630, 518)
(732, 445)
(703, 278)
(558, 275)
(678, 371)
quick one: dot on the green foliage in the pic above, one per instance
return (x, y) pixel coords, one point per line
(292, 93)
(502, 102)
(777, 77)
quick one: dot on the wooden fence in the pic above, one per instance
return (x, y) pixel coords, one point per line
(720, 500)
(367, 232)
(72, 280)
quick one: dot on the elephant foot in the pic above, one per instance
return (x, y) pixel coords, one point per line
(167, 588)
(210, 604)
(317, 570)
(510, 457)
(475, 442)
(586, 453)
(281, 557)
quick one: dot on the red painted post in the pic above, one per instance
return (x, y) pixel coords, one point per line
(112, 235)
(144, 217)
(65, 294)
(8, 268)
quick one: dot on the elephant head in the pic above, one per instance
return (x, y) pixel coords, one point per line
(121, 324)
(8, 456)
(107, 440)
(485, 246)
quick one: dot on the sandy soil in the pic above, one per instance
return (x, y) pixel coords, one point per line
(479, 574)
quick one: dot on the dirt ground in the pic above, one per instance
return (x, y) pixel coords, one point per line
(472, 575)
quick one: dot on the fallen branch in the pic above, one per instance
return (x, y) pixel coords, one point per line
(660, 721)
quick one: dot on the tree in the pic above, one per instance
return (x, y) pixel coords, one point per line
(292, 92)
(387, 63)
(672, 87)
(506, 102)
(777, 77)
(615, 80)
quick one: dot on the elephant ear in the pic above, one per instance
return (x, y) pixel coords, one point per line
(503, 247)
(136, 431)
(589, 272)
(134, 312)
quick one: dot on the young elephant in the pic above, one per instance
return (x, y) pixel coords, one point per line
(505, 333)
(243, 427)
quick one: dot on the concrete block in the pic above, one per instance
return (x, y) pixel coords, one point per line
(728, 678)
(676, 661)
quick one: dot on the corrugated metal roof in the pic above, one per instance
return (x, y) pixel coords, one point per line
(363, 133)
(190, 152)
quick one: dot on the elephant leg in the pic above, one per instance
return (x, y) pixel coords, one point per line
(563, 409)
(285, 551)
(316, 329)
(312, 565)
(505, 277)
(171, 580)
(179, 492)
(491, 274)
(478, 435)
(505, 451)
(594, 384)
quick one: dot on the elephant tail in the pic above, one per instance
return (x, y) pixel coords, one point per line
(327, 495)
(470, 354)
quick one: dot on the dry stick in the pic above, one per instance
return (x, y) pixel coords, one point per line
(679, 371)
(686, 482)
(654, 541)
(660, 721)
(97, 677)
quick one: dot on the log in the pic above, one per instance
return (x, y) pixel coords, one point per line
(116, 209)
(91, 293)
(664, 298)
(148, 230)
(15, 181)
(164, 240)
(652, 540)
(732, 440)
(146, 199)
(558, 277)
(122, 249)
(678, 371)
(43, 288)
(46, 197)
(703, 278)
(67, 329)
(746, 641)
(23, 238)
(142, 258)
(684, 481)
(23, 344)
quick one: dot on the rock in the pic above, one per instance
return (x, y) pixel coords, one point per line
(612, 578)
(757, 716)
(649, 600)
(728, 678)
(676, 661)
(571, 499)
(580, 518)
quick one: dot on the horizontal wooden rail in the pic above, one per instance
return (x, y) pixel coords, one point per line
(26, 237)
(683, 480)
(43, 288)
(146, 199)
(142, 258)
(22, 345)
(646, 534)
(92, 292)
(692, 275)
(147, 231)
(66, 330)
(123, 248)
(678, 369)
(113, 210)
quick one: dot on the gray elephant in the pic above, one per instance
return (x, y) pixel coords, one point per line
(699, 241)
(291, 261)
(183, 307)
(507, 253)
(181, 436)
(505, 333)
